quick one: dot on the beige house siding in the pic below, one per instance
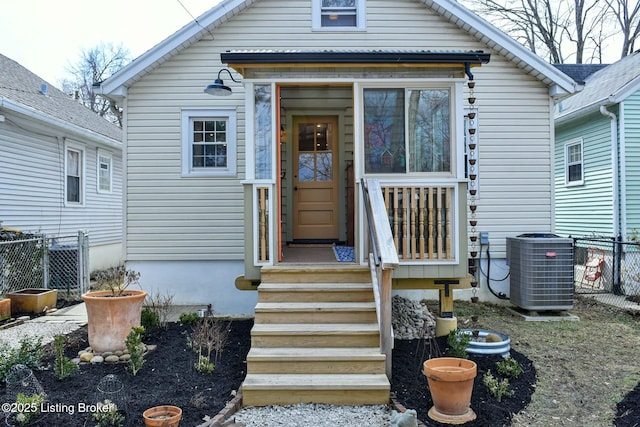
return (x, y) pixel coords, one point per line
(174, 218)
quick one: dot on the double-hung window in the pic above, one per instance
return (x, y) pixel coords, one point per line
(574, 171)
(208, 143)
(105, 171)
(74, 172)
(408, 131)
(339, 14)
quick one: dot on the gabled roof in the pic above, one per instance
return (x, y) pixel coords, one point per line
(21, 91)
(579, 72)
(610, 85)
(560, 84)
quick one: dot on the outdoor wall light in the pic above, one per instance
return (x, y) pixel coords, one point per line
(218, 88)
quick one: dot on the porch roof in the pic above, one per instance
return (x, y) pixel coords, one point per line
(332, 57)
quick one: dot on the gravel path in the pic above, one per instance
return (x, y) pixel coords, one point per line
(46, 330)
(315, 415)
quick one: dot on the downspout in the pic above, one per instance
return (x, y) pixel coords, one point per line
(615, 166)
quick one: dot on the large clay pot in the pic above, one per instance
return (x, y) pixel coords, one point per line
(162, 416)
(110, 318)
(450, 382)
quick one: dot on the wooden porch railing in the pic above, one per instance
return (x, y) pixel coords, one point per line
(383, 259)
(421, 221)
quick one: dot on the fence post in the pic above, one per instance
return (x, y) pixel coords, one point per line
(83, 261)
(45, 262)
(617, 265)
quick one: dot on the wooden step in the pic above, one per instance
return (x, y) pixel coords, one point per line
(363, 360)
(315, 273)
(339, 389)
(315, 335)
(315, 312)
(315, 292)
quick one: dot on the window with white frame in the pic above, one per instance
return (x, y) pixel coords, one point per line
(208, 142)
(574, 166)
(105, 171)
(408, 130)
(339, 14)
(74, 172)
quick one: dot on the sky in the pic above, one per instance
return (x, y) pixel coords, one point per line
(46, 36)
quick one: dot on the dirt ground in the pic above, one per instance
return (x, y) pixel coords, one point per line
(576, 373)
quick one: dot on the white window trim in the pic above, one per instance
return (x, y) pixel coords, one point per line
(187, 147)
(108, 155)
(81, 150)
(361, 14)
(568, 144)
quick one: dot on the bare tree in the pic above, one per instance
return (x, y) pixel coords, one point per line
(627, 16)
(544, 26)
(95, 65)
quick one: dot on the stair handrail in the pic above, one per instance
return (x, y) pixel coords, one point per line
(383, 259)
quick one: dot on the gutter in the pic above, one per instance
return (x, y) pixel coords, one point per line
(616, 165)
(61, 124)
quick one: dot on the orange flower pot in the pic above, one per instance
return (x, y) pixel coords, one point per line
(162, 416)
(450, 382)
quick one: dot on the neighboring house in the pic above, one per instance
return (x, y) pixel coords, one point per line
(597, 154)
(321, 95)
(61, 165)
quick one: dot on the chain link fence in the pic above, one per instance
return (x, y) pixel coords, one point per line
(44, 261)
(608, 269)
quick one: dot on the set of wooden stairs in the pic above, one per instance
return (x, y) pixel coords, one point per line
(315, 339)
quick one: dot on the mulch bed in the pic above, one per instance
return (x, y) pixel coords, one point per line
(168, 377)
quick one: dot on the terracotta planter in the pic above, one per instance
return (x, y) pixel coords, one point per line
(110, 318)
(450, 382)
(33, 300)
(5, 308)
(162, 416)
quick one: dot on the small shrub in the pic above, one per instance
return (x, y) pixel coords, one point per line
(30, 353)
(189, 319)
(63, 366)
(136, 349)
(496, 387)
(148, 319)
(107, 415)
(28, 407)
(204, 364)
(116, 279)
(160, 304)
(509, 367)
(458, 342)
(209, 336)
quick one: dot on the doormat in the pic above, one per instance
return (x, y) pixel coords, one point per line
(345, 253)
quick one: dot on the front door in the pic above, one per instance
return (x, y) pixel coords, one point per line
(315, 193)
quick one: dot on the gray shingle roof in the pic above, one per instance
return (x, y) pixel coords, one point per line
(21, 86)
(609, 85)
(579, 72)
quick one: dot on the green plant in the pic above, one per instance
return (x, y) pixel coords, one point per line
(148, 319)
(116, 279)
(189, 319)
(30, 353)
(204, 364)
(136, 349)
(458, 342)
(509, 367)
(496, 387)
(107, 415)
(28, 407)
(63, 367)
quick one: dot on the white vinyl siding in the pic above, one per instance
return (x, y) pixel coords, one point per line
(197, 219)
(32, 178)
(631, 116)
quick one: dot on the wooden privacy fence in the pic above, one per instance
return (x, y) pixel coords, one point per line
(421, 221)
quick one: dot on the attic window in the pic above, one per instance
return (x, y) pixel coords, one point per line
(338, 14)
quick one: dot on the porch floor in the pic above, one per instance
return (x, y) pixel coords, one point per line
(308, 254)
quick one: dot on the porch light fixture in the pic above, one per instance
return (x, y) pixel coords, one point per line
(218, 88)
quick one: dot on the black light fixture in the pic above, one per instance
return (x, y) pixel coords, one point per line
(218, 88)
